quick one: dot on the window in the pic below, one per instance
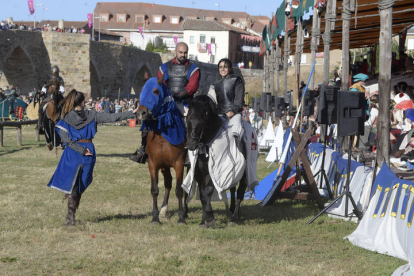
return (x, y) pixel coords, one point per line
(174, 20)
(226, 21)
(121, 18)
(213, 40)
(157, 19)
(139, 19)
(104, 18)
(191, 39)
(202, 38)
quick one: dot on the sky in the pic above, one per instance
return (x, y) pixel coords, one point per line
(76, 10)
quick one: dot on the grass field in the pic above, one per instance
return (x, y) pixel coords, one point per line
(113, 235)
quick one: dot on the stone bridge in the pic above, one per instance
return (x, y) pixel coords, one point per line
(95, 68)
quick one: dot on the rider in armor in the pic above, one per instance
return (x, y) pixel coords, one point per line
(229, 92)
(43, 94)
(182, 79)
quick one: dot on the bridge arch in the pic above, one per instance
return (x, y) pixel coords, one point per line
(96, 81)
(140, 78)
(18, 69)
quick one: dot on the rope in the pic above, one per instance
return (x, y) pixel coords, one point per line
(385, 4)
(346, 12)
(327, 38)
(314, 46)
(330, 17)
(316, 32)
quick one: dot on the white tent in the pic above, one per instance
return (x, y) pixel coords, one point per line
(268, 137)
(276, 149)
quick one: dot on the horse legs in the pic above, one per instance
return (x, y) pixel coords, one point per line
(232, 199)
(166, 172)
(240, 195)
(154, 191)
(179, 192)
(185, 201)
(208, 209)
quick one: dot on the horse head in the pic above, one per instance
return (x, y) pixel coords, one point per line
(152, 98)
(202, 111)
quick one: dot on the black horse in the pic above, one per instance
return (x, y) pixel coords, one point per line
(203, 123)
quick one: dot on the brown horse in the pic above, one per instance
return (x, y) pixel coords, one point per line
(52, 114)
(162, 155)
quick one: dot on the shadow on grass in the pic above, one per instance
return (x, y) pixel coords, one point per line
(120, 216)
(280, 210)
(14, 150)
(123, 155)
(286, 210)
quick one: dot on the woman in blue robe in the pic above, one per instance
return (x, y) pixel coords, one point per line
(77, 128)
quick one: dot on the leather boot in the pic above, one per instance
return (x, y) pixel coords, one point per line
(73, 204)
(140, 155)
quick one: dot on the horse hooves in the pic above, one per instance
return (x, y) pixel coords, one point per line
(181, 221)
(155, 222)
(163, 212)
(50, 147)
(210, 224)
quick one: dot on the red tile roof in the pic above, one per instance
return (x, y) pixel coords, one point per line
(167, 11)
(209, 25)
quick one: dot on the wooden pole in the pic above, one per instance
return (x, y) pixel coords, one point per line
(346, 19)
(314, 40)
(297, 65)
(1, 136)
(384, 85)
(277, 87)
(286, 59)
(19, 135)
(264, 71)
(37, 138)
(272, 70)
(329, 16)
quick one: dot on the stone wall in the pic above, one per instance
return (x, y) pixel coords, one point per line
(24, 60)
(116, 68)
(70, 52)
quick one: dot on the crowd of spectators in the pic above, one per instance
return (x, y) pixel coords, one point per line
(44, 28)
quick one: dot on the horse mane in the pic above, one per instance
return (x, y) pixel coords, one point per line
(205, 102)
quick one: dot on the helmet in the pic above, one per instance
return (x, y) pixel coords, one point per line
(55, 71)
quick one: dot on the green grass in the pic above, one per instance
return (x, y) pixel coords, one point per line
(114, 235)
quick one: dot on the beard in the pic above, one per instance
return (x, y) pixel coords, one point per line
(181, 60)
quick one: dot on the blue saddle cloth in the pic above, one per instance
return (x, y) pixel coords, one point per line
(168, 119)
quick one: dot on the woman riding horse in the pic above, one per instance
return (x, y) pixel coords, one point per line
(208, 115)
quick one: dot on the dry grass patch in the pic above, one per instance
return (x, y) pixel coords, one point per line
(114, 235)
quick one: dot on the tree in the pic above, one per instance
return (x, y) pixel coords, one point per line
(150, 47)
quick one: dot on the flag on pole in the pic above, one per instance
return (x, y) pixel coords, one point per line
(209, 49)
(31, 7)
(90, 20)
(141, 31)
(175, 40)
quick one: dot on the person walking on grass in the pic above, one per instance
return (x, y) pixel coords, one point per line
(77, 128)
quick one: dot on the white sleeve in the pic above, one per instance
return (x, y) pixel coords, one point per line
(62, 90)
(44, 90)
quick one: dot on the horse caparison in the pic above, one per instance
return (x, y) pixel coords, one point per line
(163, 156)
(203, 123)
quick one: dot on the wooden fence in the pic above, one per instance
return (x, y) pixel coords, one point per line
(18, 126)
